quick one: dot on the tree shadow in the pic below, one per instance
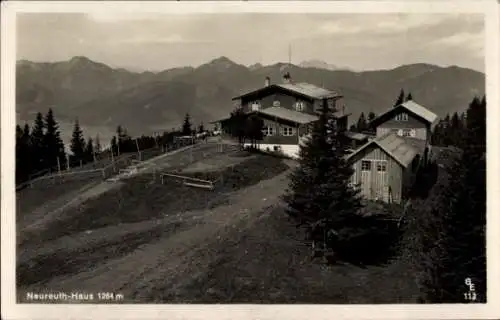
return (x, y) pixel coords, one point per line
(363, 241)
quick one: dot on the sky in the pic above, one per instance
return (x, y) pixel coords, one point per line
(161, 41)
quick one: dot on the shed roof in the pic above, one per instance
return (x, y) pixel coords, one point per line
(302, 88)
(418, 144)
(356, 135)
(290, 115)
(393, 145)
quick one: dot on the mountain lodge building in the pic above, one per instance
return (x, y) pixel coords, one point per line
(384, 165)
(288, 111)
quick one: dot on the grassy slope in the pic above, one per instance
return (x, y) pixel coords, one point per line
(240, 250)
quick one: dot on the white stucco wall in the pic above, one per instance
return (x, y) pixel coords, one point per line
(291, 150)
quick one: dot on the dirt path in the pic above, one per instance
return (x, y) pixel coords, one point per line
(176, 260)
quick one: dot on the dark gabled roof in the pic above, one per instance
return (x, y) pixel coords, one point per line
(302, 88)
(394, 146)
(290, 115)
(430, 117)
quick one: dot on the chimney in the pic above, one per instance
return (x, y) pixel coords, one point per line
(287, 78)
(268, 82)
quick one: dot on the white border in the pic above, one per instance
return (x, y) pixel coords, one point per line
(12, 311)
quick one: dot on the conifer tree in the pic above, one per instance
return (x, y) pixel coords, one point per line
(114, 145)
(409, 97)
(21, 156)
(319, 194)
(37, 139)
(120, 134)
(371, 117)
(186, 125)
(89, 150)
(237, 123)
(201, 128)
(98, 147)
(77, 143)
(466, 222)
(362, 125)
(53, 144)
(253, 129)
(401, 98)
(456, 221)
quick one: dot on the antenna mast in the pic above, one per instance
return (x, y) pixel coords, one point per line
(289, 55)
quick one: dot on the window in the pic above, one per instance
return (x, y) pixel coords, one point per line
(382, 166)
(288, 131)
(276, 103)
(403, 132)
(299, 106)
(255, 106)
(402, 117)
(366, 165)
(268, 131)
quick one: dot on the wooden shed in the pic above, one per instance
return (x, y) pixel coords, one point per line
(384, 168)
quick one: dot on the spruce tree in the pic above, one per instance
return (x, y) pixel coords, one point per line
(120, 134)
(89, 150)
(114, 145)
(362, 125)
(371, 116)
(53, 144)
(319, 194)
(22, 156)
(237, 124)
(37, 144)
(253, 129)
(456, 246)
(98, 147)
(186, 125)
(409, 97)
(77, 143)
(401, 98)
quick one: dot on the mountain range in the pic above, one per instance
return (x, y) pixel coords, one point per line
(143, 102)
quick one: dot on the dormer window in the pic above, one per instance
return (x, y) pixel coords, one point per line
(299, 106)
(255, 106)
(402, 117)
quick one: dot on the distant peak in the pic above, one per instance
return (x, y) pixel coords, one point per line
(80, 59)
(222, 59)
(255, 66)
(221, 62)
